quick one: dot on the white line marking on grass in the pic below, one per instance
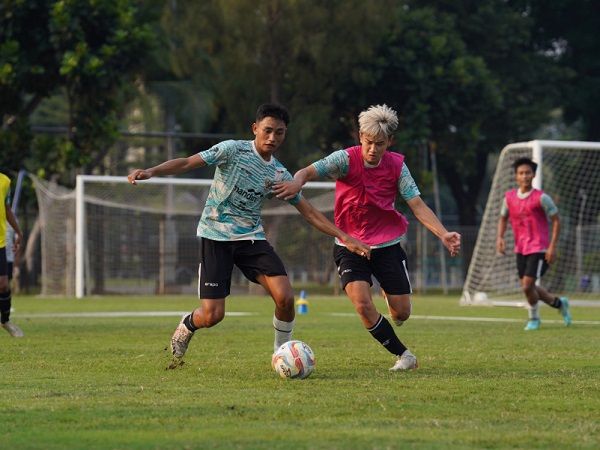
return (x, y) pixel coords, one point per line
(520, 304)
(235, 313)
(478, 319)
(117, 314)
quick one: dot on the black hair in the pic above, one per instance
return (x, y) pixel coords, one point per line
(274, 110)
(523, 161)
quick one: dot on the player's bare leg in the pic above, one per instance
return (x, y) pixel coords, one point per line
(280, 289)
(559, 303)
(531, 294)
(400, 308)
(208, 315)
(5, 304)
(544, 295)
(360, 295)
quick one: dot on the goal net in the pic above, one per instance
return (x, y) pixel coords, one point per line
(109, 237)
(568, 171)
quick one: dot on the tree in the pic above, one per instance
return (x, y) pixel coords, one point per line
(89, 49)
(28, 73)
(465, 88)
(444, 94)
(567, 31)
(241, 54)
(101, 45)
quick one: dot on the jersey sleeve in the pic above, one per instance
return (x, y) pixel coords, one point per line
(407, 187)
(504, 208)
(334, 166)
(218, 154)
(548, 204)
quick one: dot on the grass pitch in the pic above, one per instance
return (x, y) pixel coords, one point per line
(99, 381)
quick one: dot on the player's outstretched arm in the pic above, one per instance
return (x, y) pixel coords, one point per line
(500, 244)
(287, 190)
(450, 239)
(322, 223)
(170, 167)
(551, 253)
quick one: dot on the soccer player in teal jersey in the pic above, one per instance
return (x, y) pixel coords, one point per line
(230, 227)
(369, 178)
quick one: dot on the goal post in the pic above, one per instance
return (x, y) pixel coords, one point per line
(109, 201)
(568, 171)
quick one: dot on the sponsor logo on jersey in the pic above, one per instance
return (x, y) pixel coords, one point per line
(250, 194)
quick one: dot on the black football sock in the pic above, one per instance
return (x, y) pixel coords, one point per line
(189, 323)
(557, 303)
(384, 333)
(5, 300)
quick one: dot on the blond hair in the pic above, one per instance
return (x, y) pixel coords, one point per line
(378, 120)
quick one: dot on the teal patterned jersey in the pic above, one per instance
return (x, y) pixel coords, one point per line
(242, 184)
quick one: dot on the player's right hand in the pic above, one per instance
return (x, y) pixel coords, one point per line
(358, 247)
(138, 174)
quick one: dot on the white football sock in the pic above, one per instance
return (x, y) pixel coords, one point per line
(283, 332)
(534, 311)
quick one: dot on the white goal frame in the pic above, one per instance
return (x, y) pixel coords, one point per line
(80, 212)
(485, 265)
(80, 223)
(106, 237)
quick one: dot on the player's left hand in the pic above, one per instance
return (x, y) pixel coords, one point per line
(286, 190)
(451, 241)
(551, 255)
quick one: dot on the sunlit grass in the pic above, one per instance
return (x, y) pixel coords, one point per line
(106, 382)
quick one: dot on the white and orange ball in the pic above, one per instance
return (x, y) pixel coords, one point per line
(293, 360)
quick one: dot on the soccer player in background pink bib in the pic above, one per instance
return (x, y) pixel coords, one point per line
(528, 210)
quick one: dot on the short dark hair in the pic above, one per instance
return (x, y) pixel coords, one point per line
(525, 161)
(274, 110)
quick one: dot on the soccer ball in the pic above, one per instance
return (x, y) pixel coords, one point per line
(293, 360)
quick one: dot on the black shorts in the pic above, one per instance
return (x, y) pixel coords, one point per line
(387, 264)
(3, 262)
(533, 265)
(218, 257)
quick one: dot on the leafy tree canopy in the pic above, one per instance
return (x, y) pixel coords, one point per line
(87, 50)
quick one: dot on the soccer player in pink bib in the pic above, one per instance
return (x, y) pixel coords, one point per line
(528, 210)
(369, 177)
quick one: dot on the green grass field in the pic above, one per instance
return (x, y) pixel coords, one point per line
(103, 382)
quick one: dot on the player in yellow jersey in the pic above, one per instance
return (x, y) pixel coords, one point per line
(6, 215)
